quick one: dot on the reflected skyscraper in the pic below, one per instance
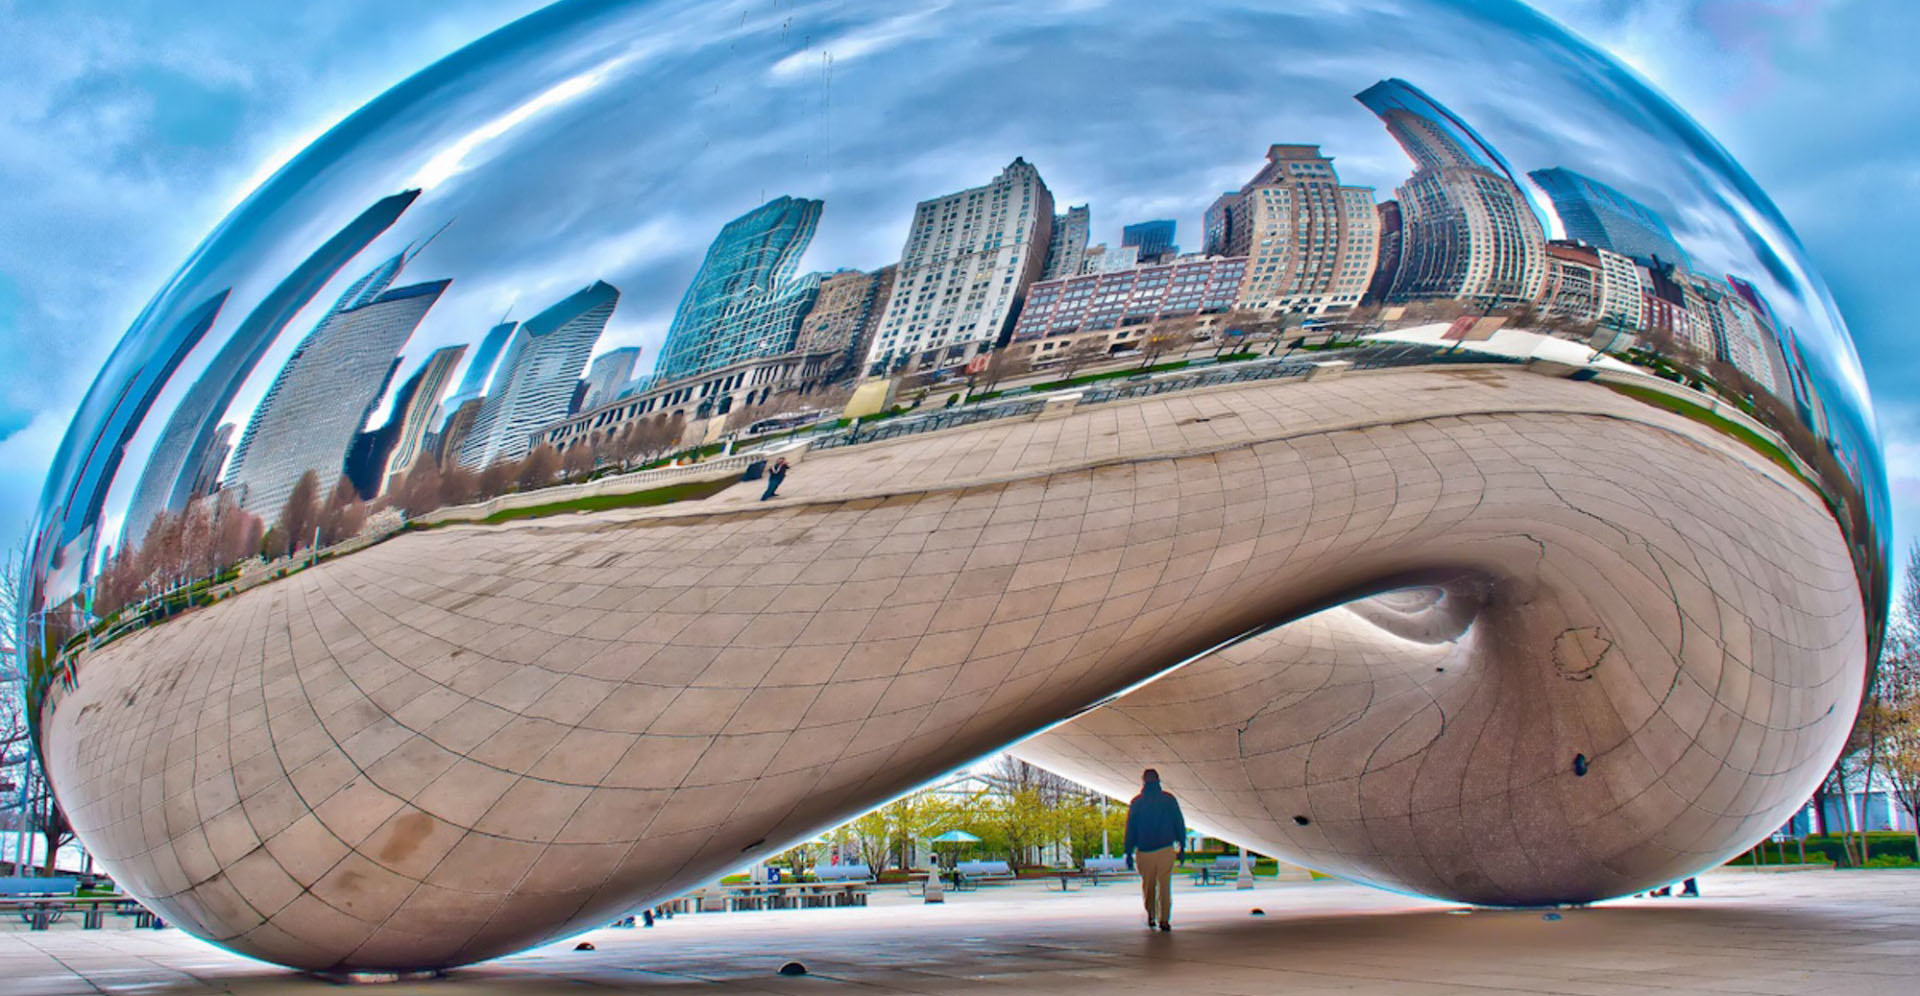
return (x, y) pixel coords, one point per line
(96, 442)
(167, 481)
(480, 369)
(371, 284)
(1104, 258)
(1599, 215)
(1154, 239)
(1067, 249)
(1431, 134)
(964, 270)
(608, 374)
(207, 479)
(537, 376)
(1311, 244)
(744, 301)
(416, 418)
(324, 394)
(845, 314)
(1467, 230)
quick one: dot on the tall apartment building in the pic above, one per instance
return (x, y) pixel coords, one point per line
(744, 300)
(1665, 309)
(1597, 214)
(964, 271)
(418, 416)
(845, 314)
(607, 374)
(1572, 288)
(166, 483)
(1067, 249)
(1739, 336)
(1154, 239)
(1468, 231)
(1590, 284)
(1770, 335)
(1387, 262)
(535, 382)
(1311, 244)
(323, 396)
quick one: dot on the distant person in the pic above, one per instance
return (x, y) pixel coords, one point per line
(1158, 832)
(775, 474)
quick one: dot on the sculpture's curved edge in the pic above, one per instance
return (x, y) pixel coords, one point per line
(378, 741)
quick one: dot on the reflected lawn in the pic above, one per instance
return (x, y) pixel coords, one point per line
(688, 491)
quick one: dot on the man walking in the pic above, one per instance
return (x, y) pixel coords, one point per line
(1158, 832)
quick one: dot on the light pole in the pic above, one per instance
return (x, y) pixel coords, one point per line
(1245, 881)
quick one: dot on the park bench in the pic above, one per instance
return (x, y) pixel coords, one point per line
(1219, 871)
(37, 901)
(39, 887)
(970, 874)
(1099, 868)
(42, 902)
(843, 873)
(796, 895)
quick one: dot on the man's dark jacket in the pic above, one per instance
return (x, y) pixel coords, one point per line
(1154, 821)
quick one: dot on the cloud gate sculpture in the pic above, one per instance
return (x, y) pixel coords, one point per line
(1397, 424)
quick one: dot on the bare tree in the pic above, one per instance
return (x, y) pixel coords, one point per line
(420, 490)
(13, 610)
(539, 468)
(578, 462)
(46, 817)
(496, 479)
(301, 513)
(342, 515)
(1080, 354)
(744, 416)
(458, 485)
(1002, 364)
(1158, 344)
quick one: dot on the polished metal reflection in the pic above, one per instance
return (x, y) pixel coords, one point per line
(1491, 418)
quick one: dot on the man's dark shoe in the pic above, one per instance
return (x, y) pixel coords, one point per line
(1164, 925)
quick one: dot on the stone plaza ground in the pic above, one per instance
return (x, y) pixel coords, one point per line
(1806, 932)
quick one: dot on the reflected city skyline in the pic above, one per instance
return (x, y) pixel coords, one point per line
(1461, 228)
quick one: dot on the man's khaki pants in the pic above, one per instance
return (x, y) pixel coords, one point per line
(1156, 881)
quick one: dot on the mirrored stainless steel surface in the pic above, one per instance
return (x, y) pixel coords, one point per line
(661, 430)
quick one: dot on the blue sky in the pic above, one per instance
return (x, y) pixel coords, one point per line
(133, 149)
